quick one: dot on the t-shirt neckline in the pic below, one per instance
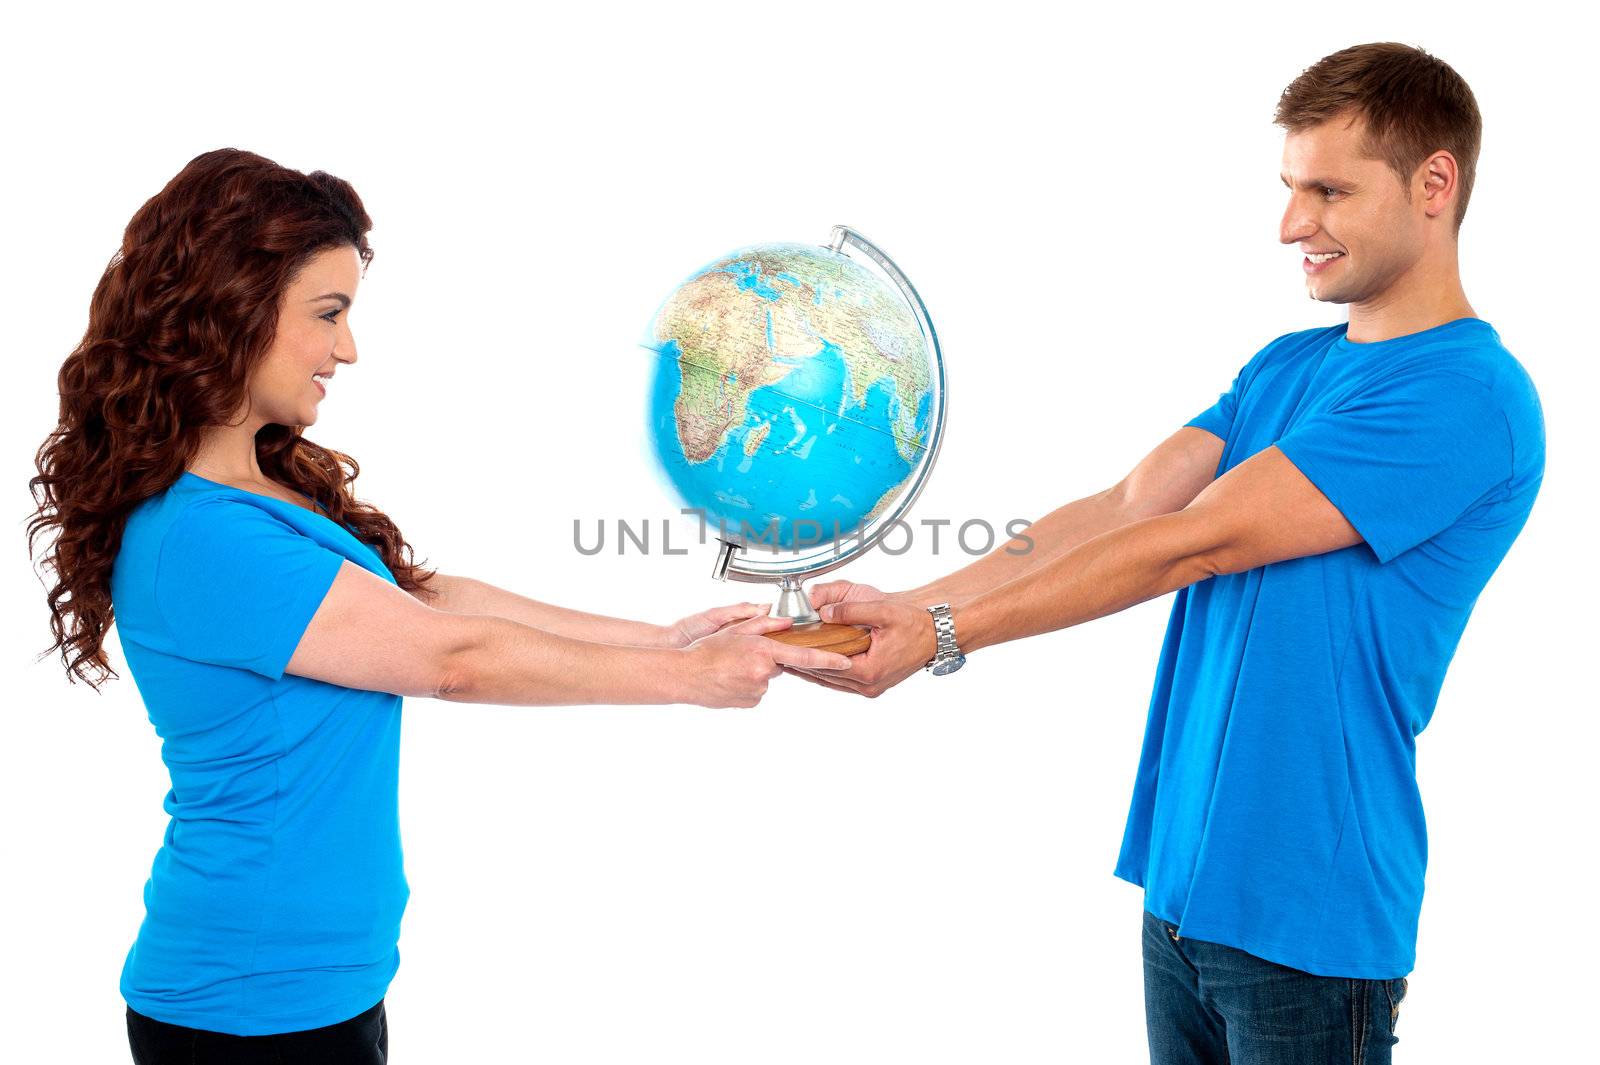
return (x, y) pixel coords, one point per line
(261, 495)
(1343, 340)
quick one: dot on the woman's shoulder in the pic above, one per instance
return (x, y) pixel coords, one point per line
(179, 514)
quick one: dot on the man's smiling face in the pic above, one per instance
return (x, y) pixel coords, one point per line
(1350, 214)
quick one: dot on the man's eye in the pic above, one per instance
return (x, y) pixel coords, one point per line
(1329, 193)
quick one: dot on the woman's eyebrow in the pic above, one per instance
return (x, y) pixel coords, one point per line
(344, 301)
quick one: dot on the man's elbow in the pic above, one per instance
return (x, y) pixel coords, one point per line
(1192, 569)
(1207, 548)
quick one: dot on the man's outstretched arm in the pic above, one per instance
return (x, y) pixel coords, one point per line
(1264, 510)
(1165, 480)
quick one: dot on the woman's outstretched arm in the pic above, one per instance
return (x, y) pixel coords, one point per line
(467, 595)
(368, 634)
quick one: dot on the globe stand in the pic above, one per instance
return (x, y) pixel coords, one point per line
(808, 630)
(793, 602)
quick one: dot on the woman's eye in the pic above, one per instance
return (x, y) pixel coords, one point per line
(331, 315)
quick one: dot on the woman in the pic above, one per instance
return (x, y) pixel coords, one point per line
(272, 622)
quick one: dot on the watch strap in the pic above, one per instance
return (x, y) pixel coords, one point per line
(944, 630)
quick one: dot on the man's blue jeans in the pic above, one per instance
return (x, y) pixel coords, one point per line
(1210, 1004)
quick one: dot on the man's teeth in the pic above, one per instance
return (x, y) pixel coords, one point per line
(1322, 257)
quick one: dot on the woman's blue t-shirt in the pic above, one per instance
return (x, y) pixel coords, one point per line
(1276, 807)
(274, 902)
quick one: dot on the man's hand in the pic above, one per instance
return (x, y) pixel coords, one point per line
(903, 638)
(687, 630)
(844, 592)
(836, 592)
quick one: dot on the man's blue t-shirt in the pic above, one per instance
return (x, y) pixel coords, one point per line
(274, 902)
(1276, 807)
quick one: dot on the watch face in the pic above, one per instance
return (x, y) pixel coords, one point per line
(947, 665)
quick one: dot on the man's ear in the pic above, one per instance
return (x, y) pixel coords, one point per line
(1440, 182)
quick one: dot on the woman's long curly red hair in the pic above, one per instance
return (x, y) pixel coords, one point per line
(182, 315)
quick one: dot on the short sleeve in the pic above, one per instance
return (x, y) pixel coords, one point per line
(1404, 459)
(1218, 418)
(236, 586)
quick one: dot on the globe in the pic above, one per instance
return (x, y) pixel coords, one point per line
(791, 394)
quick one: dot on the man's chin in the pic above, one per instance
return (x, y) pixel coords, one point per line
(1327, 295)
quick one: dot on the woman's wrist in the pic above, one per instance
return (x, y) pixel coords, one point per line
(643, 634)
(674, 675)
(664, 637)
(635, 675)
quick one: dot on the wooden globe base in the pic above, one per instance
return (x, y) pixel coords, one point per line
(826, 636)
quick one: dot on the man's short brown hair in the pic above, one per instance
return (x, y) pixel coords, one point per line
(1413, 103)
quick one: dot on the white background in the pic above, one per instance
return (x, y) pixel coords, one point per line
(1090, 210)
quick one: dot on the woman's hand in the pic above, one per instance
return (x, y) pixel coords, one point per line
(731, 667)
(683, 632)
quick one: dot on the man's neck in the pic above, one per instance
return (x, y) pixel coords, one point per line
(1427, 295)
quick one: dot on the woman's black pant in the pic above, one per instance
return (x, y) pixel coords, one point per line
(361, 1040)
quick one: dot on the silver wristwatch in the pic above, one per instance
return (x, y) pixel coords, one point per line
(947, 657)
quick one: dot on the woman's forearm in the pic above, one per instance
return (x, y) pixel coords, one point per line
(1049, 538)
(466, 595)
(507, 663)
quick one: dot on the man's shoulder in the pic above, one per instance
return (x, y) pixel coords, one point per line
(1472, 350)
(1465, 367)
(1485, 356)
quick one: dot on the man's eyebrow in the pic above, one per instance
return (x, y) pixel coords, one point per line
(1316, 183)
(344, 301)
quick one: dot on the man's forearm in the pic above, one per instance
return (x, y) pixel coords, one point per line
(466, 595)
(1045, 540)
(1107, 573)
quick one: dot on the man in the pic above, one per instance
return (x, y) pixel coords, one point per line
(1327, 525)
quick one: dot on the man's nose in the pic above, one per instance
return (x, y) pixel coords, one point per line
(1296, 224)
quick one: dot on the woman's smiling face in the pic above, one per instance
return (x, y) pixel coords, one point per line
(313, 339)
